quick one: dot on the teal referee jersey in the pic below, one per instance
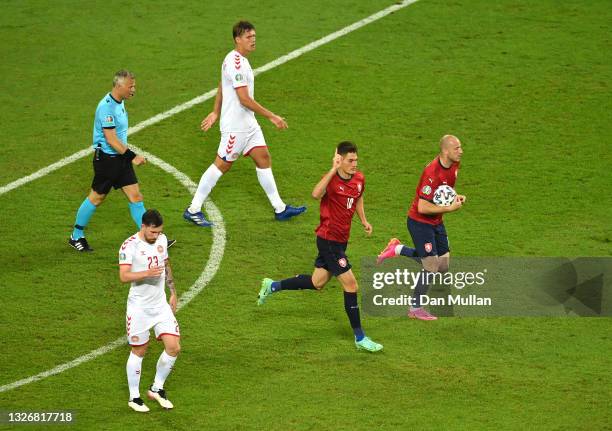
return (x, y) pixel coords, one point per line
(110, 114)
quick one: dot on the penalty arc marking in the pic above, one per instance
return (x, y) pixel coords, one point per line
(216, 253)
(209, 271)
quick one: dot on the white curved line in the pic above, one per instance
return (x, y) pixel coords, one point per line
(203, 97)
(214, 261)
(218, 247)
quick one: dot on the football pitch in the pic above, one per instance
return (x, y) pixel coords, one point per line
(525, 85)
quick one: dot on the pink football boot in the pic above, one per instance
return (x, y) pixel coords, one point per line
(389, 251)
(421, 314)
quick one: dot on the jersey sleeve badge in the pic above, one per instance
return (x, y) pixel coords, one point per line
(108, 121)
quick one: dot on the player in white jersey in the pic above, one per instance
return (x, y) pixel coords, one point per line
(144, 262)
(240, 132)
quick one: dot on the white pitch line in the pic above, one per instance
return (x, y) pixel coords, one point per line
(214, 261)
(208, 95)
(218, 247)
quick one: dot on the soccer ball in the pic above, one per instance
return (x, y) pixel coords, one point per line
(444, 195)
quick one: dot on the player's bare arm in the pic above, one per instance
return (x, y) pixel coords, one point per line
(170, 285)
(250, 103)
(361, 213)
(111, 137)
(319, 190)
(127, 276)
(428, 208)
(211, 118)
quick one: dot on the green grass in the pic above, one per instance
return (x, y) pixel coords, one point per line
(523, 84)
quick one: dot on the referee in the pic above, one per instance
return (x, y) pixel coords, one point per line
(113, 160)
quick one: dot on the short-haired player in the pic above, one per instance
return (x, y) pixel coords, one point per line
(144, 263)
(241, 134)
(341, 193)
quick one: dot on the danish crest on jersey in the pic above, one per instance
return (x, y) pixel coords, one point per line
(426, 190)
(160, 248)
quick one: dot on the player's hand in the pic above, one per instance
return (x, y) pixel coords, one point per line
(462, 198)
(156, 271)
(457, 203)
(172, 302)
(368, 228)
(208, 122)
(278, 121)
(139, 160)
(336, 161)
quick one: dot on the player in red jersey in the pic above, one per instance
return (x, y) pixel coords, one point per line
(341, 193)
(425, 222)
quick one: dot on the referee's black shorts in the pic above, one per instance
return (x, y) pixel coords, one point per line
(332, 256)
(111, 170)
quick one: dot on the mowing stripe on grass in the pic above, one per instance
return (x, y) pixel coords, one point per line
(208, 95)
(218, 247)
(214, 261)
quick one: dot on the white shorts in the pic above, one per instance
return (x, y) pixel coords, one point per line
(139, 321)
(235, 143)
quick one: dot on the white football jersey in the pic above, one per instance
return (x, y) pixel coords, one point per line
(236, 72)
(148, 292)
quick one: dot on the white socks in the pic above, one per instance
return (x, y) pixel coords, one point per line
(207, 182)
(266, 179)
(134, 363)
(398, 249)
(165, 363)
(211, 176)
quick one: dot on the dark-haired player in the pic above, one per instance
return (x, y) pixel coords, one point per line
(144, 262)
(240, 132)
(341, 193)
(425, 222)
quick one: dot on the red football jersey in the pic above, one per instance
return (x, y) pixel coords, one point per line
(434, 175)
(338, 207)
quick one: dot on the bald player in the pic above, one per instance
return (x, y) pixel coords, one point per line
(425, 222)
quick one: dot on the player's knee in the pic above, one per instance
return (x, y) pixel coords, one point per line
(319, 284)
(263, 161)
(222, 166)
(431, 263)
(351, 287)
(140, 351)
(96, 198)
(135, 197)
(173, 350)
